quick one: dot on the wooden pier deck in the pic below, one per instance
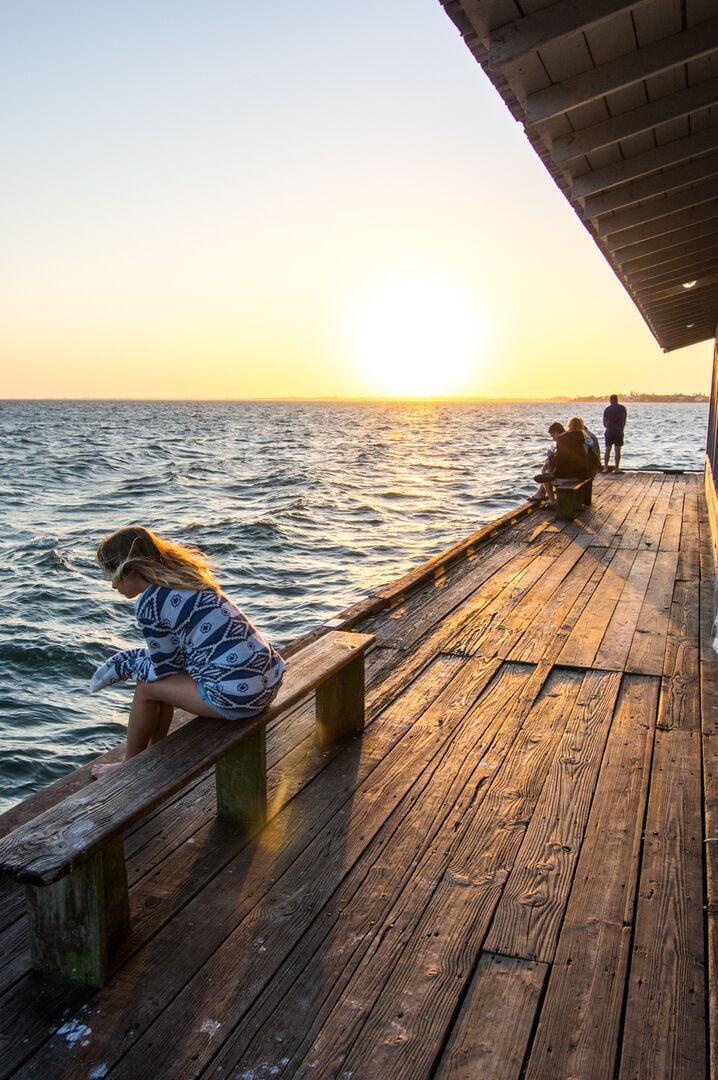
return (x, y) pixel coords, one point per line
(511, 873)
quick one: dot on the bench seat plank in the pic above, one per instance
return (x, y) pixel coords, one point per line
(48, 847)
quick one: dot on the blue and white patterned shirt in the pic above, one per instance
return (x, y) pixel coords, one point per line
(203, 633)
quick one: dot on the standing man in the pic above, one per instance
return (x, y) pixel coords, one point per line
(614, 421)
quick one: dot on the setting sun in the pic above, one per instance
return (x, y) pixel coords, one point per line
(415, 337)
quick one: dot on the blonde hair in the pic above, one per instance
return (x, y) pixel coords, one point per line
(576, 424)
(160, 562)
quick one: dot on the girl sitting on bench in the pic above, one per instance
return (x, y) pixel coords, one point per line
(202, 653)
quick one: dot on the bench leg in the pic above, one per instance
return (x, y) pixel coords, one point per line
(77, 922)
(340, 703)
(241, 776)
(587, 493)
(566, 504)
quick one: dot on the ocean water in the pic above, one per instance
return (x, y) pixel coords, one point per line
(303, 507)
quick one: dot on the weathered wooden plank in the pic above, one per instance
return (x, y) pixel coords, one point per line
(430, 640)
(408, 622)
(617, 500)
(14, 949)
(408, 994)
(680, 703)
(709, 729)
(476, 625)
(688, 560)
(402, 869)
(616, 643)
(632, 531)
(580, 1022)
(671, 535)
(664, 1030)
(497, 633)
(585, 639)
(491, 1033)
(540, 594)
(545, 635)
(529, 915)
(649, 640)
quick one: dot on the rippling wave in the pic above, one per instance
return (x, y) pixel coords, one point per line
(303, 507)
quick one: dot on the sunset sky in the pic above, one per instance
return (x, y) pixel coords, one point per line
(234, 200)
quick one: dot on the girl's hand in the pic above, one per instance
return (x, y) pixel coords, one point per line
(119, 668)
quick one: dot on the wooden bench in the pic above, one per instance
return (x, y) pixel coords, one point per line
(71, 857)
(572, 496)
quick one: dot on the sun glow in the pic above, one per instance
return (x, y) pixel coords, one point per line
(416, 338)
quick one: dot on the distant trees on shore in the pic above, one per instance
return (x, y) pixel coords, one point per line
(649, 398)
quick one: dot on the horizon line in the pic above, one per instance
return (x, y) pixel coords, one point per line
(560, 398)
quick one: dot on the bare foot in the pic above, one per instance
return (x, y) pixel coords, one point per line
(98, 771)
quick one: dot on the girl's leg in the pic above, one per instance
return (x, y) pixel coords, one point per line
(151, 713)
(166, 712)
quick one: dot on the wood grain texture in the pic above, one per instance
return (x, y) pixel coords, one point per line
(648, 645)
(580, 1021)
(616, 644)
(388, 888)
(664, 1030)
(403, 1031)
(585, 639)
(493, 1028)
(531, 910)
(680, 704)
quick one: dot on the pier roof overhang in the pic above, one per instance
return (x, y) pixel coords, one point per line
(619, 98)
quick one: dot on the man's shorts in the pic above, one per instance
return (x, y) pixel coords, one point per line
(614, 438)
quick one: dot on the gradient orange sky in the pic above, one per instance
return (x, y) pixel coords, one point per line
(228, 201)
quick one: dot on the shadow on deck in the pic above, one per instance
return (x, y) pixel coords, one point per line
(505, 876)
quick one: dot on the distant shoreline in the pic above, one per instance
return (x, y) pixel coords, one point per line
(628, 399)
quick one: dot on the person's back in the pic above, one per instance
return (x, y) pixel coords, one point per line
(614, 421)
(614, 417)
(571, 457)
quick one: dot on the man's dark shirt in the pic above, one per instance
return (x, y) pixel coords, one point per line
(571, 457)
(614, 418)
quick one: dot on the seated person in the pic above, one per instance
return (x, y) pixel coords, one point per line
(593, 448)
(555, 431)
(570, 462)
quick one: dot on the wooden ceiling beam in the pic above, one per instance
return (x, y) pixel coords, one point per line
(672, 107)
(663, 225)
(664, 243)
(705, 319)
(673, 311)
(675, 178)
(633, 168)
(623, 71)
(701, 334)
(657, 208)
(701, 323)
(655, 296)
(683, 271)
(682, 251)
(676, 272)
(516, 39)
